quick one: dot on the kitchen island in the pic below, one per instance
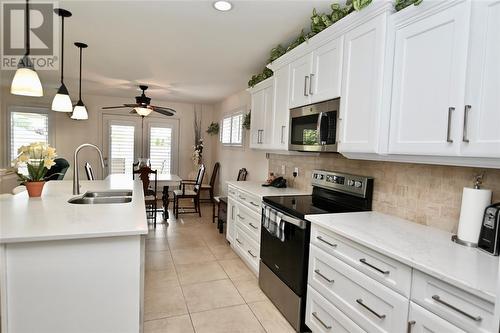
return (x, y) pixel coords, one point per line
(72, 267)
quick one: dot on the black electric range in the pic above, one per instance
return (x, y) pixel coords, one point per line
(285, 236)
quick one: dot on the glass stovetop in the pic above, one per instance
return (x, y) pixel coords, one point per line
(296, 205)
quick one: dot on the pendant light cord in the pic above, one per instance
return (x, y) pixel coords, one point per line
(62, 50)
(80, 88)
(27, 31)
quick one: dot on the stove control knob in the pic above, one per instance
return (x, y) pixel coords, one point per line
(358, 184)
(350, 182)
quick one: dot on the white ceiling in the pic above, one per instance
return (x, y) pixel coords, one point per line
(185, 50)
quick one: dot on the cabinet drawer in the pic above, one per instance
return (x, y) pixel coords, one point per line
(385, 270)
(232, 192)
(248, 220)
(248, 249)
(251, 201)
(371, 305)
(323, 317)
(422, 321)
(464, 310)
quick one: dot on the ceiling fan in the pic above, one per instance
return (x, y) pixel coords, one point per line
(142, 105)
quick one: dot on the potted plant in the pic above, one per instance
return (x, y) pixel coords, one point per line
(36, 158)
(213, 129)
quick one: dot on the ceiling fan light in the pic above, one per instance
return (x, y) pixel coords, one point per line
(142, 111)
(223, 6)
(80, 111)
(26, 82)
(62, 101)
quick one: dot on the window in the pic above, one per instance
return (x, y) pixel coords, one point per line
(232, 130)
(160, 149)
(27, 127)
(121, 148)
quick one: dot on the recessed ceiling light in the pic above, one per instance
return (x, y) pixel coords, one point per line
(223, 6)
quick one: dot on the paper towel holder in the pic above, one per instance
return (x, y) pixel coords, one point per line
(454, 238)
(478, 181)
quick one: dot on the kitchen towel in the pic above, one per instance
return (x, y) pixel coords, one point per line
(474, 202)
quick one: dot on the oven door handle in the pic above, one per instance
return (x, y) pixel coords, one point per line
(318, 128)
(286, 218)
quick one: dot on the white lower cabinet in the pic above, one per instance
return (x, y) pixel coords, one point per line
(322, 316)
(423, 321)
(231, 215)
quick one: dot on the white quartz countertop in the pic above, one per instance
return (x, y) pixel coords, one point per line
(256, 188)
(424, 248)
(51, 217)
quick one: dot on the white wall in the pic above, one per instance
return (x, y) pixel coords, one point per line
(234, 158)
(69, 134)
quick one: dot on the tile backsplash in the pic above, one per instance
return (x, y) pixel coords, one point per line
(426, 194)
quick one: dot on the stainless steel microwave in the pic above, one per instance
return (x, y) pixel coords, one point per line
(315, 127)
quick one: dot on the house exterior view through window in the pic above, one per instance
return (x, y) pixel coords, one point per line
(26, 128)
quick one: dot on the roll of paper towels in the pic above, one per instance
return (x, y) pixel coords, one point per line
(474, 201)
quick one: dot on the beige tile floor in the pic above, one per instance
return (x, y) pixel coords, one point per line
(194, 282)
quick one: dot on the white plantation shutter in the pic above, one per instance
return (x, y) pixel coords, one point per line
(232, 130)
(160, 149)
(26, 128)
(122, 148)
(226, 131)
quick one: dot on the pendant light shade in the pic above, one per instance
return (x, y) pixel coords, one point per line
(141, 111)
(80, 111)
(62, 101)
(26, 81)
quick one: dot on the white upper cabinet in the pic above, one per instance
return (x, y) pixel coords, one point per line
(281, 110)
(261, 124)
(326, 74)
(362, 83)
(300, 76)
(430, 60)
(480, 130)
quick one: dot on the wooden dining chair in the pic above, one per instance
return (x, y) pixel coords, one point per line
(211, 185)
(193, 194)
(150, 191)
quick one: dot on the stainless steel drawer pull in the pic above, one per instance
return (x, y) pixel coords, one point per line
(439, 300)
(239, 242)
(465, 135)
(253, 255)
(254, 204)
(315, 315)
(410, 325)
(242, 198)
(240, 217)
(363, 261)
(360, 302)
(251, 224)
(451, 109)
(317, 271)
(325, 241)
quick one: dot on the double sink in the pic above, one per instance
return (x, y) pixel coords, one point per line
(102, 197)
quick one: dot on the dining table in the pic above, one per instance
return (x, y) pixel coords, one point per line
(167, 182)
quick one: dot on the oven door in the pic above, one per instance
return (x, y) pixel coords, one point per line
(314, 127)
(288, 258)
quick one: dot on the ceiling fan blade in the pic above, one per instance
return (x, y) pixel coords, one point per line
(164, 111)
(157, 108)
(119, 107)
(133, 111)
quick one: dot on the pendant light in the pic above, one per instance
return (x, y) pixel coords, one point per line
(26, 81)
(62, 101)
(80, 111)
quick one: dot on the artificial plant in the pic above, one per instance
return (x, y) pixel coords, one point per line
(246, 121)
(213, 128)
(400, 4)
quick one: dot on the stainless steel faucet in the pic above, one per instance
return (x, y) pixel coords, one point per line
(76, 180)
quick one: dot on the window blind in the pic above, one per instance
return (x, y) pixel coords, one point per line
(122, 148)
(232, 130)
(26, 128)
(160, 149)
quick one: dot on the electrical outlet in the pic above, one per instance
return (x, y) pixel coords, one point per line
(283, 169)
(296, 171)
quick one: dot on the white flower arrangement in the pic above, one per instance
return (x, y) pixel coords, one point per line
(38, 157)
(197, 152)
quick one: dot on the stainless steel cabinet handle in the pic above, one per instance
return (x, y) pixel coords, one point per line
(239, 242)
(241, 197)
(379, 316)
(315, 315)
(253, 226)
(465, 135)
(317, 271)
(254, 204)
(451, 109)
(253, 255)
(240, 217)
(325, 241)
(283, 134)
(311, 84)
(306, 78)
(363, 261)
(232, 212)
(439, 300)
(410, 325)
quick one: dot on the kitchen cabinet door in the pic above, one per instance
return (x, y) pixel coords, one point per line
(480, 135)
(300, 76)
(362, 81)
(422, 321)
(257, 114)
(261, 126)
(281, 110)
(326, 75)
(231, 216)
(430, 59)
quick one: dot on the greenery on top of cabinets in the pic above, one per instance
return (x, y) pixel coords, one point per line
(400, 4)
(246, 121)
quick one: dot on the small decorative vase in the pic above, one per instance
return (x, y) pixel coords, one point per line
(34, 188)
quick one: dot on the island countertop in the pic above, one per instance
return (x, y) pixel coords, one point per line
(51, 217)
(424, 248)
